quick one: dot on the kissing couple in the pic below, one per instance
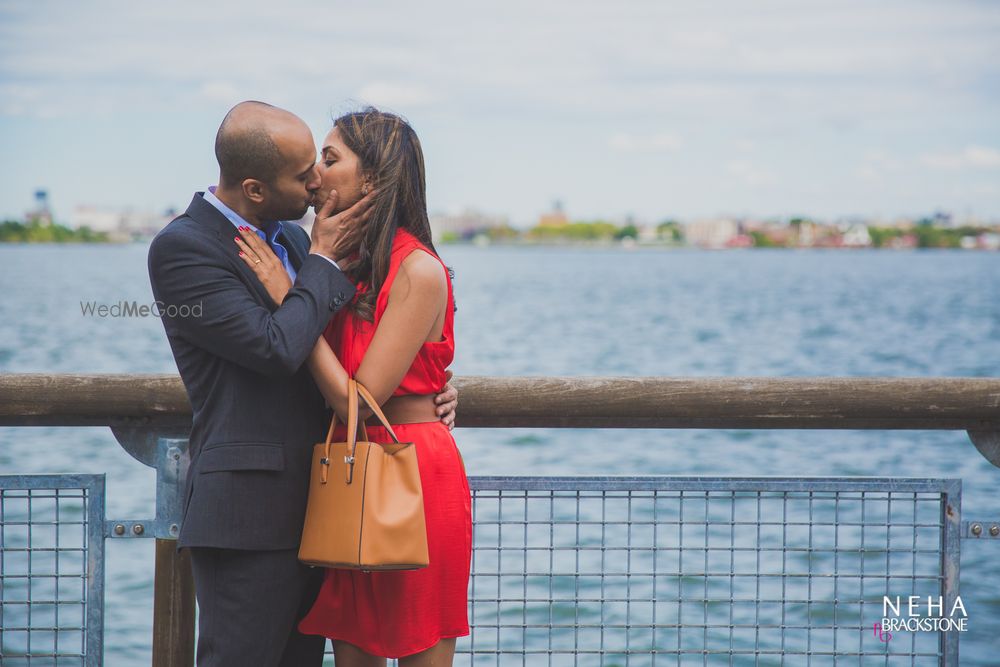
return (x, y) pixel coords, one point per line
(288, 318)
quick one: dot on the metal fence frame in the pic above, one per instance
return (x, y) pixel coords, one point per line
(948, 523)
(38, 487)
(633, 490)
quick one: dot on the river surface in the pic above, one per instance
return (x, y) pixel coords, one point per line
(574, 312)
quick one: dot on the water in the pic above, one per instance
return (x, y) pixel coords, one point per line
(538, 311)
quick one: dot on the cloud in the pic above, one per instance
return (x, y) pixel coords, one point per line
(971, 157)
(657, 142)
(751, 96)
(851, 59)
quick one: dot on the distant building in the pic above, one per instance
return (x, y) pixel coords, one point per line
(989, 241)
(120, 224)
(807, 233)
(648, 233)
(554, 218)
(96, 218)
(943, 219)
(42, 213)
(712, 233)
(465, 225)
(856, 236)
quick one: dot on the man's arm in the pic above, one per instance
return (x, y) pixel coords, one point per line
(232, 324)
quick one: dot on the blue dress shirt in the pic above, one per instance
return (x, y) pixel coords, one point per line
(268, 235)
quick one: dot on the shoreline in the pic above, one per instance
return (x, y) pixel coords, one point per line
(643, 247)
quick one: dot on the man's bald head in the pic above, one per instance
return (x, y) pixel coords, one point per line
(247, 144)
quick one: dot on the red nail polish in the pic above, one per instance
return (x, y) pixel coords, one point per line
(241, 253)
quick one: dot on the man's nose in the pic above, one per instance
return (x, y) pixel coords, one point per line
(314, 178)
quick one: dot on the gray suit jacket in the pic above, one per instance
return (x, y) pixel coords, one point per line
(256, 410)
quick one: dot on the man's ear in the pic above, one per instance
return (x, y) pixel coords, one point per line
(254, 190)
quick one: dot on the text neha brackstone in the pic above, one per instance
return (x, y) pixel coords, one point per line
(915, 620)
(134, 309)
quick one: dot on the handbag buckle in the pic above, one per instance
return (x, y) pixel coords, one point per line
(324, 461)
(349, 460)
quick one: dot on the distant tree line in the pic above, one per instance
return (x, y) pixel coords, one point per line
(602, 230)
(924, 234)
(34, 231)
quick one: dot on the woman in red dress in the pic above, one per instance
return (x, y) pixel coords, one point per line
(396, 339)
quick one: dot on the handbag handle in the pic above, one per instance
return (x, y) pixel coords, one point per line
(354, 389)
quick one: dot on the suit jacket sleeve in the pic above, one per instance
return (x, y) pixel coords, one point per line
(233, 324)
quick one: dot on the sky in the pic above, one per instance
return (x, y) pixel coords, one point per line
(655, 110)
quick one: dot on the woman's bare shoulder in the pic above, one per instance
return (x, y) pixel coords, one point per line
(422, 271)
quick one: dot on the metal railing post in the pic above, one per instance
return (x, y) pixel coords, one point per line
(951, 556)
(173, 607)
(173, 585)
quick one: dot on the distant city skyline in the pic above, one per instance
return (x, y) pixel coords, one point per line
(826, 109)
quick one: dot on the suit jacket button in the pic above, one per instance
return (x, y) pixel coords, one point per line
(341, 297)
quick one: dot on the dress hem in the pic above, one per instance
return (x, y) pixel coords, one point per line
(366, 649)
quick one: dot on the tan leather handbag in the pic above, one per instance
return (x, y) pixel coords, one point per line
(366, 505)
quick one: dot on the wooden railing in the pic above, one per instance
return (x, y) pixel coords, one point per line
(969, 404)
(142, 408)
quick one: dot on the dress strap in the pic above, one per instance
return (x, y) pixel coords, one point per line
(404, 244)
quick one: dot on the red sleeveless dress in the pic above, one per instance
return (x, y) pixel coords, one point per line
(395, 614)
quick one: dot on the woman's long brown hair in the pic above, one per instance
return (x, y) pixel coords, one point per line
(390, 157)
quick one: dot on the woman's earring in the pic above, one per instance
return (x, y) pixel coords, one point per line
(364, 189)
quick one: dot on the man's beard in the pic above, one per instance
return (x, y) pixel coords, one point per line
(288, 213)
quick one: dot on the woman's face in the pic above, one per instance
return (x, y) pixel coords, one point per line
(339, 170)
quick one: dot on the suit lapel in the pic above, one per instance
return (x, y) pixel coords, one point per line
(212, 220)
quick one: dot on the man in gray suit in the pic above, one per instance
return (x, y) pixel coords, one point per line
(256, 410)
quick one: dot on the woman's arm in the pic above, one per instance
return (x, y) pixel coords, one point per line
(417, 300)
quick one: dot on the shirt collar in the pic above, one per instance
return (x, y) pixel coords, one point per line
(271, 230)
